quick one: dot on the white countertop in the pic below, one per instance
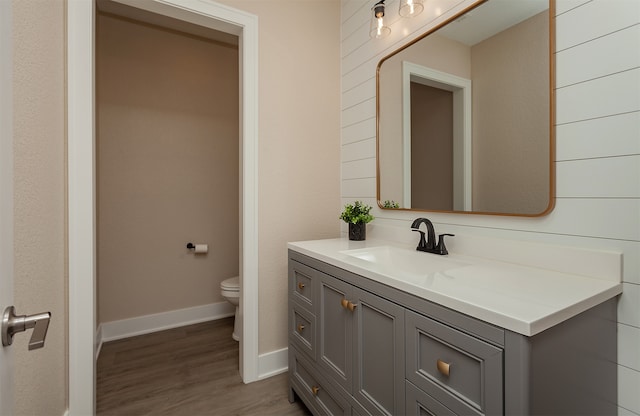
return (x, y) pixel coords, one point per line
(520, 298)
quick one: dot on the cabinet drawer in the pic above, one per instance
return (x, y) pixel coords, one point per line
(312, 387)
(458, 370)
(420, 403)
(301, 281)
(303, 330)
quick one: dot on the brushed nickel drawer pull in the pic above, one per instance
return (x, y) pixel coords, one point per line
(315, 390)
(443, 367)
(300, 327)
(300, 285)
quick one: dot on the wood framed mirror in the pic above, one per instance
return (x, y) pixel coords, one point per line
(465, 114)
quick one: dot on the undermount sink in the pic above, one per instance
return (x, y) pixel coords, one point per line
(396, 259)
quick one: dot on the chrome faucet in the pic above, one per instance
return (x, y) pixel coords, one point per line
(429, 244)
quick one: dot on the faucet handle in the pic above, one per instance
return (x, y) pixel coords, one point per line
(441, 248)
(422, 245)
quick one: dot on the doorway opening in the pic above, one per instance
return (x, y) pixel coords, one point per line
(81, 183)
(167, 171)
(460, 91)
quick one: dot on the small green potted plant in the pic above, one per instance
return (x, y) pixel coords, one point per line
(357, 216)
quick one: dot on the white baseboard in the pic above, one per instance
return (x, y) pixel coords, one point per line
(273, 363)
(140, 325)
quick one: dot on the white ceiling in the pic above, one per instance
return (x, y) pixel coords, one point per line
(490, 18)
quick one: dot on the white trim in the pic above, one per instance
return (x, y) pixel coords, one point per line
(81, 206)
(140, 325)
(406, 133)
(273, 363)
(81, 137)
(462, 157)
(249, 282)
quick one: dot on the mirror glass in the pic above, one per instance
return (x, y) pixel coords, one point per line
(464, 114)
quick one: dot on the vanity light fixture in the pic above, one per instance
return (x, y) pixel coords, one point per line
(378, 29)
(410, 8)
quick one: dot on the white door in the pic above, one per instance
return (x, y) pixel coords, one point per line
(6, 200)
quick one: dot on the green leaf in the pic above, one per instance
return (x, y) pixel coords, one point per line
(356, 213)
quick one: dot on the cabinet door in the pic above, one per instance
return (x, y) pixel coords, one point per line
(335, 326)
(378, 382)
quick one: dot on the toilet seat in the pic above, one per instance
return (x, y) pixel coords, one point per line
(231, 285)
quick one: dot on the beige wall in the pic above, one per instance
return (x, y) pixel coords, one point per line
(167, 147)
(299, 173)
(39, 198)
(519, 183)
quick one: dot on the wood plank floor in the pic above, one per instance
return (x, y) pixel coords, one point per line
(191, 370)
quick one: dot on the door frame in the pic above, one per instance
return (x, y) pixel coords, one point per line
(82, 185)
(462, 129)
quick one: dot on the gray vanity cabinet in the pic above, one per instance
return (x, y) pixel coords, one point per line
(358, 347)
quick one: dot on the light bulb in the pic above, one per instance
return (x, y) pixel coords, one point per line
(378, 29)
(410, 8)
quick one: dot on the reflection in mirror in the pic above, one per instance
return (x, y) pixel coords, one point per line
(464, 114)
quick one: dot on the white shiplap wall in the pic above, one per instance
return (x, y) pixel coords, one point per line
(597, 134)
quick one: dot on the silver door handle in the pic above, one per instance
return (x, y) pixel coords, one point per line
(12, 324)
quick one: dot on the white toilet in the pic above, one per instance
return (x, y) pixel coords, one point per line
(230, 289)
